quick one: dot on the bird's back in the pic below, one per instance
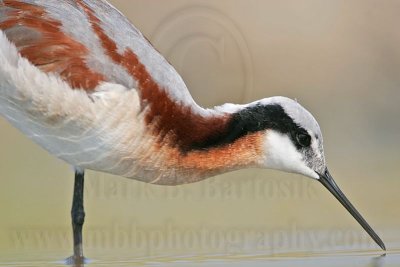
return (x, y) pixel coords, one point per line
(73, 77)
(85, 43)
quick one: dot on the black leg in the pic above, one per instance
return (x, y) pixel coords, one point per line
(78, 218)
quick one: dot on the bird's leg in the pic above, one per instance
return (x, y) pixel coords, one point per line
(78, 218)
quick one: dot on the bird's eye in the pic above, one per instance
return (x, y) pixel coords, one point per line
(303, 139)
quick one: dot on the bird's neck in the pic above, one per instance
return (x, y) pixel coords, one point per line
(195, 143)
(196, 165)
(189, 142)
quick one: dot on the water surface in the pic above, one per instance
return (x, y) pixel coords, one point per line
(336, 259)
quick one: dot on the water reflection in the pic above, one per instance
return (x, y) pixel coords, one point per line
(289, 260)
(378, 261)
(356, 260)
(337, 259)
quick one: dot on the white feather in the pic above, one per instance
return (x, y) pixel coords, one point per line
(281, 154)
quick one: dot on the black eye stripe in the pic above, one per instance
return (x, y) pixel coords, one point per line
(250, 120)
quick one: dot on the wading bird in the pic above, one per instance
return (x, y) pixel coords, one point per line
(82, 82)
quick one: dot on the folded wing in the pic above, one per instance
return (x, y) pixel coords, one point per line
(87, 42)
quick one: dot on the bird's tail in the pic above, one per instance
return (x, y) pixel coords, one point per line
(8, 65)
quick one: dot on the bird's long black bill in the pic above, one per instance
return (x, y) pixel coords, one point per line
(327, 180)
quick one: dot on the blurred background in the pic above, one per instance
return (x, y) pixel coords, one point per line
(340, 59)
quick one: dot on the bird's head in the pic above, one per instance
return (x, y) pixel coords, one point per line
(292, 142)
(292, 139)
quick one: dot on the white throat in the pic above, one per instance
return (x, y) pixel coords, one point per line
(281, 154)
